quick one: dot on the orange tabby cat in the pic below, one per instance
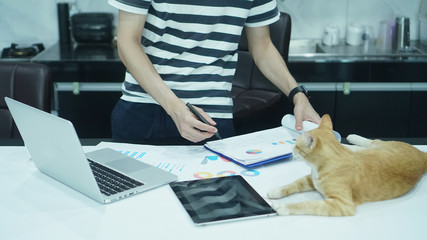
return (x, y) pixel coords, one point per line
(380, 170)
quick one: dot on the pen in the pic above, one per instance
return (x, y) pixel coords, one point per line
(201, 118)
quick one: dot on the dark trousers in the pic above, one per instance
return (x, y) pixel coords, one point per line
(150, 124)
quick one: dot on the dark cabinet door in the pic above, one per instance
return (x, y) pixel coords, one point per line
(324, 102)
(418, 117)
(322, 97)
(385, 99)
(398, 71)
(330, 72)
(89, 110)
(374, 111)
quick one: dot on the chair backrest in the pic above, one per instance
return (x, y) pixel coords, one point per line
(247, 75)
(26, 82)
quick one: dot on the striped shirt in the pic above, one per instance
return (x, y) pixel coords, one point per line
(193, 46)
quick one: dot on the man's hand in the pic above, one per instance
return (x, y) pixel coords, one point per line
(190, 127)
(303, 111)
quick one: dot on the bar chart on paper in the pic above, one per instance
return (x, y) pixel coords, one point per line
(134, 154)
(175, 168)
(152, 158)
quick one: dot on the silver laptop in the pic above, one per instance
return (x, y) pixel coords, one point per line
(104, 175)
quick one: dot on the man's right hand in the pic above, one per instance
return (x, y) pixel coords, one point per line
(189, 126)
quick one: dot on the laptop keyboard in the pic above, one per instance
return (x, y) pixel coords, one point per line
(111, 182)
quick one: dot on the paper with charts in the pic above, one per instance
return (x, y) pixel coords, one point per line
(263, 146)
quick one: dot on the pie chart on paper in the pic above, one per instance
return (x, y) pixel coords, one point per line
(253, 151)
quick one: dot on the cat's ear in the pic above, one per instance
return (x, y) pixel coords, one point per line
(309, 140)
(326, 122)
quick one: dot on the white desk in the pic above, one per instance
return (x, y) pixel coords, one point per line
(35, 206)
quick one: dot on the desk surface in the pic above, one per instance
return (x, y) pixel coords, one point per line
(38, 207)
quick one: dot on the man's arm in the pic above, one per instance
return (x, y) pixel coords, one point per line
(130, 27)
(274, 68)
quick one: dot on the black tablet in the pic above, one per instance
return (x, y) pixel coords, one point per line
(221, 199)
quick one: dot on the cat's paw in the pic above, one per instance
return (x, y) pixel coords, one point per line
(275, 193)
(358, 140)
(280, 209)
(353, 138)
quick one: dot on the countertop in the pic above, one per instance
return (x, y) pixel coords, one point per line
(312, 50)
(78, 53)
(300, 50)
(83, 62)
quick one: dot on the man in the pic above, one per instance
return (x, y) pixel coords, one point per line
(189, 54)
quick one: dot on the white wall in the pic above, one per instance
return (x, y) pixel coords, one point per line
(31, 21)
(311, 16)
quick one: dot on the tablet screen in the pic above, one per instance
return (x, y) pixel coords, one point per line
(220, 199)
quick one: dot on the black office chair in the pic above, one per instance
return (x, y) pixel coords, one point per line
(258, 104)
(26, 82)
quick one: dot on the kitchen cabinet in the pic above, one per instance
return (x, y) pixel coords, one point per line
(321, 79)
(373, 99)
(87, 84)
(399, 72)
(322, 97)
(418, 112)
(370, 97)
(326, 72)
(88, 106)
(373, 110)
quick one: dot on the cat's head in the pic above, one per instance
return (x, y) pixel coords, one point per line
(316, 143)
